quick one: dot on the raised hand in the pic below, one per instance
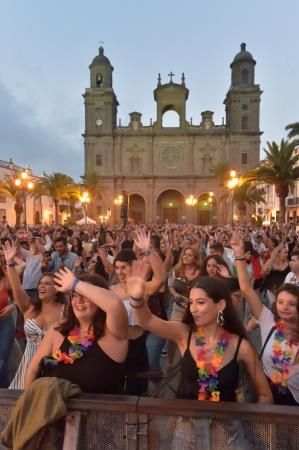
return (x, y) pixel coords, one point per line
(142, 240)
(64, 280)
(10, 251)
(237, 244)
(136, 280)
(223, 271)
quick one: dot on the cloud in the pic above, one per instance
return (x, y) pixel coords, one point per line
(50, 147)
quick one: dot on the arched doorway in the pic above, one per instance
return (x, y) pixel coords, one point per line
(207, 209)
(170, 207)
(37, 218)
(137, 208)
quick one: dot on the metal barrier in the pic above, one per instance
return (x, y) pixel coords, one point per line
(140, 423)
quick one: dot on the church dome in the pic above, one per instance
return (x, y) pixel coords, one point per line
(100, 58)
(243, 55)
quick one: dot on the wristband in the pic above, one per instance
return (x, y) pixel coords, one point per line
(74, 285)
(240, 258)
(146, 252)
(12, 264)
(137, 306)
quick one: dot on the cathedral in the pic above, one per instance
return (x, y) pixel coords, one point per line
(161, 173)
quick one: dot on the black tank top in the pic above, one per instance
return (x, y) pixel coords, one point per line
(227, 376)
(95, 372)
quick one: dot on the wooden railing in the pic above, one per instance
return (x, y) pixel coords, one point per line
(142, 423)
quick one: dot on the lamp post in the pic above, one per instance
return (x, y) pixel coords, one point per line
(24, 184)
(191, 201)
(85, 199)
(232, 184)
(211, 202)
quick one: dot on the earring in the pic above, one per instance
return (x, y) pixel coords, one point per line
(220, 318)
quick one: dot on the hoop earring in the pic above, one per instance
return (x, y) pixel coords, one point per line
(220, 318)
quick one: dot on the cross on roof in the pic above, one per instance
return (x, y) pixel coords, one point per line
(171, 75)
(102, 43)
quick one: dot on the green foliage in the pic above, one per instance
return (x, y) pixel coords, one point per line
(294, 130)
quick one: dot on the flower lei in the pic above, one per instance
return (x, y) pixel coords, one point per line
(75, 351)
(207, 371)
(281, 359)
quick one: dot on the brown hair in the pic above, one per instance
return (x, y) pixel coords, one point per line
(179, 268)
(99, 319)
(37, 304)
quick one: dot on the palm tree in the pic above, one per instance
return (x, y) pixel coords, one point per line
(58, 186)
(246, 193)
(294, 130)
(91, 182)
(279, 169)
(221, 172)
(9, 188)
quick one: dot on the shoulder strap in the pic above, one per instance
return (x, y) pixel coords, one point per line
(238, 346)
(266, 341)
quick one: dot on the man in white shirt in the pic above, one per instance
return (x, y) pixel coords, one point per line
(293, 276)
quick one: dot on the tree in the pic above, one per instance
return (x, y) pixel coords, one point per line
(294, 130)
(91, 182)
(221, 172)
(58, 186)
(9, 188)
(246, 193)
(279, 169)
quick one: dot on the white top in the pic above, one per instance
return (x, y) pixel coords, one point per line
(266, 321)
(132, 320)
(32, 272)
(291, 278)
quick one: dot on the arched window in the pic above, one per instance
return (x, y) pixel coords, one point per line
(99, 80)
(170, 119)
(244, 123)
(245, 76)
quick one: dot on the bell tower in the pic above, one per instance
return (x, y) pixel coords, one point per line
(242, 101)
(100, 100)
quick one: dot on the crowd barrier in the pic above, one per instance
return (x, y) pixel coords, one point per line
(143, 423)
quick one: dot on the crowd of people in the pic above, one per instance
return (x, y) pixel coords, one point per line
(112, 309)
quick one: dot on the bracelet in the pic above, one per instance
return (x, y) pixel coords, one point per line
(146, 252)
(137, 299)
(240, 258)
(74, 285)
(12, 264)
(137, 307)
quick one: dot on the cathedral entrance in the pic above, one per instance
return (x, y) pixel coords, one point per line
(170, 206)
(137, 209)
(206, 209)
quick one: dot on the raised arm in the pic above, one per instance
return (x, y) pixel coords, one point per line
(21, 299)
(136, 288)
(117, 317)
(251, 297)
(142, 242)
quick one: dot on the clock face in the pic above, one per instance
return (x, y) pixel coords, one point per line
(99, 122)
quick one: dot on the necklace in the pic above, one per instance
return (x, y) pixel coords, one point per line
(207, 370)
(281, 359)
(76, 350)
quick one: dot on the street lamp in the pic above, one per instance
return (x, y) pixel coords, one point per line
(85, 199)
(118, 200)
(24, 184)
(191, 200)
(232, 184)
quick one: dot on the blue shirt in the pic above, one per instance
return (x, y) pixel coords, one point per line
(57, 261)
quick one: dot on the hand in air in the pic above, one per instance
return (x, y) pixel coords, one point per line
(64, 279)
(223, 271)
(237, 244)
(142, 240)
(10, 251)
(136, 280)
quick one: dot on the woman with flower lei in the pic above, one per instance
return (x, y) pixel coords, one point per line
(90, 347)
(279, 330)
(211, 340)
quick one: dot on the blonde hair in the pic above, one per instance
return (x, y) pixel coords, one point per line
(179, 268)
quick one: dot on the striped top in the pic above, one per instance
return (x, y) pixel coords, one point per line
(34, 335)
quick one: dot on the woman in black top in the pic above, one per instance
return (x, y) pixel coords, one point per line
(211, 336)
(94, 335)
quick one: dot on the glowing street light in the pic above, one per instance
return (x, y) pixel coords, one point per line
(232, 184)
(191, 200)
(85, 199)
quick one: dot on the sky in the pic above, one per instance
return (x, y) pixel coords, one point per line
(47, 46)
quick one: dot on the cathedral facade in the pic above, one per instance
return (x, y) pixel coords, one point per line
(160, 167)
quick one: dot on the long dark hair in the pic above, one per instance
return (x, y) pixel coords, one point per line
(79, 247)
(99, 319)
(37, 304)
(216, 290)
(218, 259)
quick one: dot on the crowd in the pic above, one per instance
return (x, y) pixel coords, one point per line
(99, 307)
